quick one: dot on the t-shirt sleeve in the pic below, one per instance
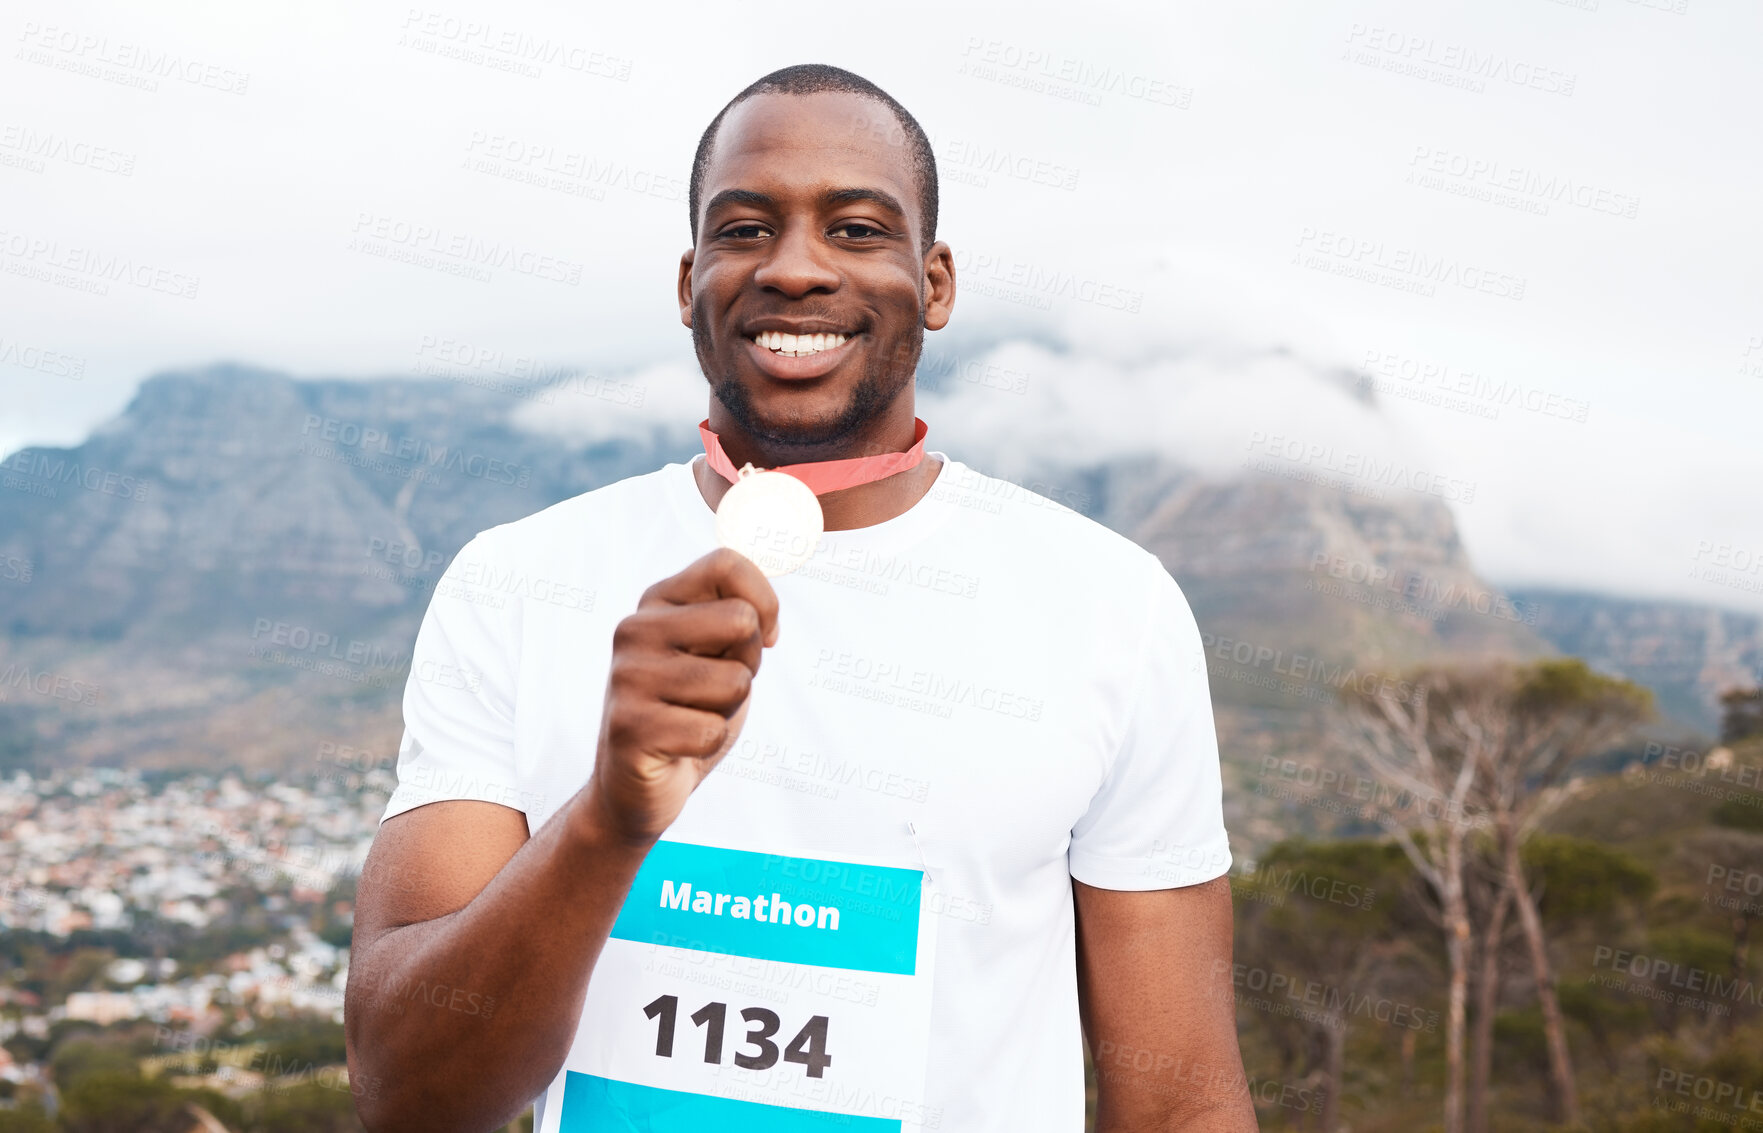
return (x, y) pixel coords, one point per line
(1157, 822)
(459, 698)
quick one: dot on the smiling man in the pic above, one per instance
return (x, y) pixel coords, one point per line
(968, 814)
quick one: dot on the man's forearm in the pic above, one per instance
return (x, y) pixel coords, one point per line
(1232, 1119)
(458, 1022)
(1142, 1111)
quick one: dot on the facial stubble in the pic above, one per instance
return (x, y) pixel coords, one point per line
(880, 384)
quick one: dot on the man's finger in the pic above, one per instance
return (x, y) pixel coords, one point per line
(720, 574)
(711, 684)
(673, 732)
(727, 627)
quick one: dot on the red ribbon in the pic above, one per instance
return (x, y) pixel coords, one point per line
(824, 476)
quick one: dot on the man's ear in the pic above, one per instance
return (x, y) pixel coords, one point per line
(939, 291)
(685, 286)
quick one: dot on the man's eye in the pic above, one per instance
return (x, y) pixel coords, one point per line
(857, 230)
(744, 231)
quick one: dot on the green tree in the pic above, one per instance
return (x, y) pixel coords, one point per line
(25, 1119)
(1427, 785)
(1739, 814)
(309, 1108)
(107, 1101)
(78, 1058)
(75, 971)
(1741, 714)
(1332, 915)
(1486, 747)
(1579, 880)
(303, 1039)
(1527, 728)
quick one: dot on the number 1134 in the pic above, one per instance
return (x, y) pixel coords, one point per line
(808, 1047)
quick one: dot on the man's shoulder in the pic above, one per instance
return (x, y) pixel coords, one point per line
(1039, 522)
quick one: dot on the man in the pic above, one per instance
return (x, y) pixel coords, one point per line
(968, 813)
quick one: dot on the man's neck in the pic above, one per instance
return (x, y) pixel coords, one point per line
(848, 508)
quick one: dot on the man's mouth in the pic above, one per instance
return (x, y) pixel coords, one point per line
(798, 345)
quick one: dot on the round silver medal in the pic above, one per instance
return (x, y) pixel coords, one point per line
(772, 518)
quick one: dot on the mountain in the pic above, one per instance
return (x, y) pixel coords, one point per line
(232, 573)
(234, 493)
(1687, 654)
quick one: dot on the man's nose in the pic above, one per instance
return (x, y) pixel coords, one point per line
(798, 263)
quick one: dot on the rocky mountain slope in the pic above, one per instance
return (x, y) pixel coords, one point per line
(153, 578)
(1687, 654)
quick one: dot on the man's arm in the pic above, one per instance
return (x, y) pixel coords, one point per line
(470, 959)
(1154, 990)
(473, 944)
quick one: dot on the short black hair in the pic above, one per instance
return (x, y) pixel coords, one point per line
(814, 78)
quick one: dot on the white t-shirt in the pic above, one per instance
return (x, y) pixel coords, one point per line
(990, 687)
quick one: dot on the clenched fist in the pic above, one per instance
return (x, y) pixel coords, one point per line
(676, 695)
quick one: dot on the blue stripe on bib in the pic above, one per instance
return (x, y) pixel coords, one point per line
(592, 1104)
(771, 907)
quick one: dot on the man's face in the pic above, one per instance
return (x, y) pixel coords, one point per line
(811, 226)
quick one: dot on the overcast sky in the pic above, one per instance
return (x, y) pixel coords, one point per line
(1529, 226)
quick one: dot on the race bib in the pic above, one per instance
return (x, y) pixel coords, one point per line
(743, 991)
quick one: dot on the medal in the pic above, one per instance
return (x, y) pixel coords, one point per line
(772, 518)
(773, 515)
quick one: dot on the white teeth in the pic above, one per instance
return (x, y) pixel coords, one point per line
(798, 344)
